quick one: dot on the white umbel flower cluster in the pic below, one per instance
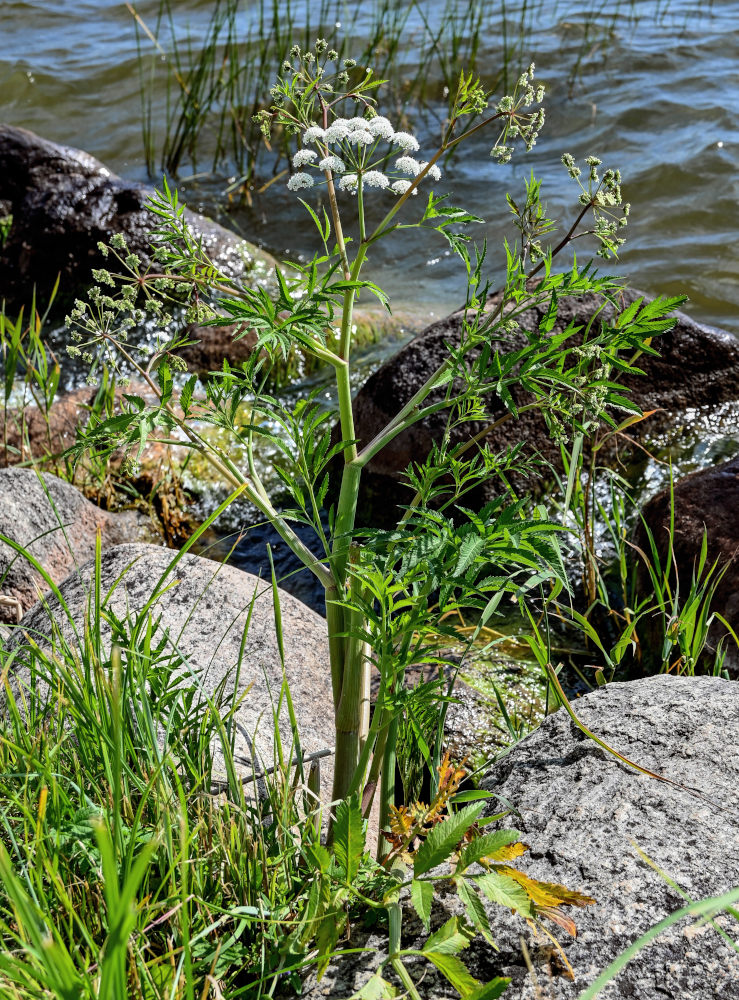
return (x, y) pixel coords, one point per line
(348, 148)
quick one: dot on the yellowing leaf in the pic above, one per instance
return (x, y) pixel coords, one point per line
(546, 893)
(508, 853)
(401, 822)
(496, 846)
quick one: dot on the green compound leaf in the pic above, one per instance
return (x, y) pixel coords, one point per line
(491, 990)
(505, 891)
(422, 896)
(376, 988)
(349, 836)
(452, 937)
(442, 840)
(455, 971)
(475, 910)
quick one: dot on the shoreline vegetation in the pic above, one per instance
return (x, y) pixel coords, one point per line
(208, 790)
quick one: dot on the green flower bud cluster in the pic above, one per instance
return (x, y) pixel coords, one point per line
(519, 121)
(603, 195)
(312, 81)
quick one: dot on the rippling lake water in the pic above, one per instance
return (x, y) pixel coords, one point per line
(652, 88)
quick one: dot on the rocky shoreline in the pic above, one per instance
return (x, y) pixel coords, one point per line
(580, 810)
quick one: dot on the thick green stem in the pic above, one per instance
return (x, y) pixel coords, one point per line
(373, 744)
(395, 923)
(336, 641)
(345, 338)
(387, 786)
(345, 516)
(352, 713)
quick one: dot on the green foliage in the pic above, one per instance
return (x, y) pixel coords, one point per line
(389, 594)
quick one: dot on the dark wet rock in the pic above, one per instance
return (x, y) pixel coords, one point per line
(697, 365)
(64, 201)
(58, 527)
(583, 814)
(705, 502)
(205, 612)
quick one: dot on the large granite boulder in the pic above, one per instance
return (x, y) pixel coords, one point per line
(204, 612)
(697, 365)
(64, 202)
(707, 502)
(58, 527)
(584, 814)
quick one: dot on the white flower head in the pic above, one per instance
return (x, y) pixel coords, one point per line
(407, 165)
(361, 137)
(434, 172)
(400, 187)
(333, 163)
(298, 181)
(344, 122)
(349, 182)
(336, 132)
(381, 128)
(406, 141)
(304, 156)
(375, 179)
(313, 134)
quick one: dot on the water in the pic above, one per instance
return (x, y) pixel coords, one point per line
(649, 87)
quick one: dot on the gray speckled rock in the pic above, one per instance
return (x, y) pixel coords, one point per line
(205, 613)
(581, 812)
(58, 526)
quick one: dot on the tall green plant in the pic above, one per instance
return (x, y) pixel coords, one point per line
(387, 592)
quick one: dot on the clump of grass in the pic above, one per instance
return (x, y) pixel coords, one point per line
(134, 860)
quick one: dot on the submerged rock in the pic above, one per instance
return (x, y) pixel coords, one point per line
(63, 202)
(584, 814)
(704, 502)
(205, 611)
(58, 527)
(697, 365)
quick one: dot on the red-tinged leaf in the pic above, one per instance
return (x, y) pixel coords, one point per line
(556, 915)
